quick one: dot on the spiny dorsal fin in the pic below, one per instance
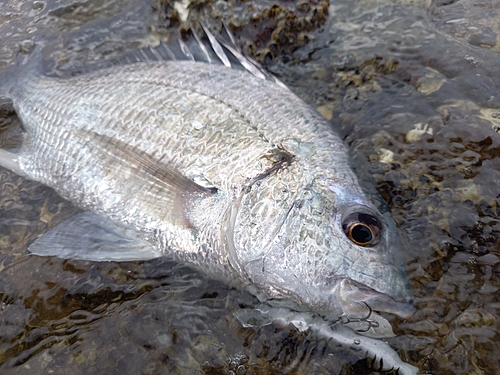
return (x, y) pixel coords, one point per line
(219, 45)
(208, 48)
(216, 47)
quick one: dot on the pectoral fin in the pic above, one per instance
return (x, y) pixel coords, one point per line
(150, 185)
(88, 236)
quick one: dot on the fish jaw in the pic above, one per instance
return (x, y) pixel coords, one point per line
(340, 297)
(355, 298)
(344, 297)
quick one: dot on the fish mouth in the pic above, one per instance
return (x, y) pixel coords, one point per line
(356, 298)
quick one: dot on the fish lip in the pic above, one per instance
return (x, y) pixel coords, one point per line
(355, 298)
(385, 303)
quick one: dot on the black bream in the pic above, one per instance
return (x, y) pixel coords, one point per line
(215, 167)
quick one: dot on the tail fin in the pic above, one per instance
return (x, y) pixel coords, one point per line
(10, 127)
(11, 135)
(11, 131)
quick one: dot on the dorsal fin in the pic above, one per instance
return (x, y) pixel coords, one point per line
(227, 47)
(251, 66)
(214, 43)
(205, 47)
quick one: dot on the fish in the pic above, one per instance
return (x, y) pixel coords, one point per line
(221, 168)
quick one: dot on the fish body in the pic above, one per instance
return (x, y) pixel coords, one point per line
(215, 167)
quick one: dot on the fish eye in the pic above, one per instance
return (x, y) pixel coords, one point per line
(362, 229)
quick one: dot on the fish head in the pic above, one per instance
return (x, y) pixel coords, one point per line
(337, 253)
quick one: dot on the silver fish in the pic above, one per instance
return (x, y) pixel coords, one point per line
(216, 167)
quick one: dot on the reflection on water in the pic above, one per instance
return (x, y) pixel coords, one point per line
(413, 88)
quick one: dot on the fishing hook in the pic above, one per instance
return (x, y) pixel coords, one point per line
(371, 323)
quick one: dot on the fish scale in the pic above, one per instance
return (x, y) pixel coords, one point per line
(114, 123)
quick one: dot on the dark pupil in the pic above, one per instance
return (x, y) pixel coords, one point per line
(361, 234)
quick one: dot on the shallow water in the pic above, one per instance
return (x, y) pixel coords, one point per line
(411, 85)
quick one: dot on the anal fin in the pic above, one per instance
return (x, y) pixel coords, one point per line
(88, 236)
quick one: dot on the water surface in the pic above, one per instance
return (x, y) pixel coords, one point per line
(412, 86)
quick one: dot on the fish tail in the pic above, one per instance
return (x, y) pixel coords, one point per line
(11, 136)
(11, 130)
